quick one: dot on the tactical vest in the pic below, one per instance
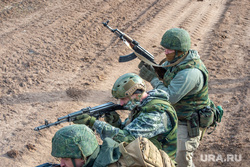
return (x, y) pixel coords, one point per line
(167, 141)
(189, 103)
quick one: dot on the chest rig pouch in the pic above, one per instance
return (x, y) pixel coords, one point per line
(209, 117)
(206, 117)
(203, 119)
(193, 125)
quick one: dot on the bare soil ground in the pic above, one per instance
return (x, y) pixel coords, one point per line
(56, 58)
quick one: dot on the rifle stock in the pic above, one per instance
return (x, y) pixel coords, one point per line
(96, 111)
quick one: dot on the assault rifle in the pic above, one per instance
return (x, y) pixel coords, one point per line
(96, 111)
(139, 51)
(48, 165)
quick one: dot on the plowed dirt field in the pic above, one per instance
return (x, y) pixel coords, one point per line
(56, 57)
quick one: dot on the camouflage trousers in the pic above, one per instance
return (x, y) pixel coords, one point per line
(185, 146)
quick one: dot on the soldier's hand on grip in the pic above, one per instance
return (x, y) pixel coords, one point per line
(85, 119)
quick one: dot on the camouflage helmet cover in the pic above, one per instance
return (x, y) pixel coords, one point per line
(74, 141)
(127, 84)
(176, 39)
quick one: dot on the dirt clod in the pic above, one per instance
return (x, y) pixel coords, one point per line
(13, 153)
(31, 147)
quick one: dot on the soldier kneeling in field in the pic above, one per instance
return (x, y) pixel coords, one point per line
(151, 116)
(77, 146)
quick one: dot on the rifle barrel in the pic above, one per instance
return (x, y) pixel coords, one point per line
(96, 111)
(49, 125)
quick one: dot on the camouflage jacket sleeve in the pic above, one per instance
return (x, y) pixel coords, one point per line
(146, 125)
(106, 130)
(186, 82)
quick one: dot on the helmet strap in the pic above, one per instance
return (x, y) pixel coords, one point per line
(73, 161)
(176, 54)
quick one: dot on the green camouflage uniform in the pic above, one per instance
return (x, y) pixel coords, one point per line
(186, 82)
(187, 96)
(189, 103)
(154, 119)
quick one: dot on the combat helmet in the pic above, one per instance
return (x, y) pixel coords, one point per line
(127, 84)
(176, 39)
(74, 141)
